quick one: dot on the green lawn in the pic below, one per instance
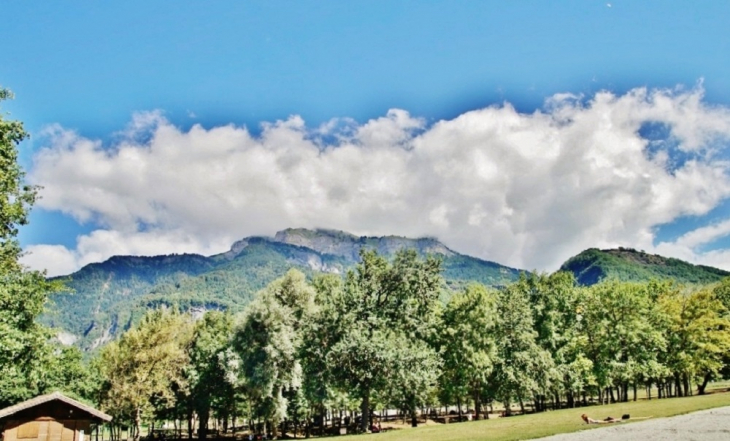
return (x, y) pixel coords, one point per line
(550, 423)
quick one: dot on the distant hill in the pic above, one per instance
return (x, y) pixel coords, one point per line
(109, 296)
(594, 265)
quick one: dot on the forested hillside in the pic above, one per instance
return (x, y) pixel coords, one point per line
(108, 297)
(627, 264)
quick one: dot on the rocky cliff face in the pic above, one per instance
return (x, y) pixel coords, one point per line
(346, 245)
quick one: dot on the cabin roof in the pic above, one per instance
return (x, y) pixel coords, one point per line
(41, 399)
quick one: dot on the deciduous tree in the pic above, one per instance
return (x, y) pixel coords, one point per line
(24, 348)
(145, 364)
(467, 344)
(267, 342)
(380, 323)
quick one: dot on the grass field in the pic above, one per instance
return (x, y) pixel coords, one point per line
(550, 423)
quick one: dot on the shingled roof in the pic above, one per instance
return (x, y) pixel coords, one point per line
(50, 397)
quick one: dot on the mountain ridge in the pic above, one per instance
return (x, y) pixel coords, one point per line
(110, 295)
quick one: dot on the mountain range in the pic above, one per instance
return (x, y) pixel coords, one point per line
(106, 298)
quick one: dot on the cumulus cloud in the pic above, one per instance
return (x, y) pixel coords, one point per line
(102, 244)
(523, 189)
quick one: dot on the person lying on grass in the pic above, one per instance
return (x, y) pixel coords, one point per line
(608, 420)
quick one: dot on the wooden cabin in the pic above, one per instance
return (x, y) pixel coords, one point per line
(51, 417)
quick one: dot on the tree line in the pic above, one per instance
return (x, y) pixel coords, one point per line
(388, 335)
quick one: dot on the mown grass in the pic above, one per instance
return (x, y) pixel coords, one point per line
(550, 423)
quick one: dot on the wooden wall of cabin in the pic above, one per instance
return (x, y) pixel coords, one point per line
(53, 421)
(47, 429)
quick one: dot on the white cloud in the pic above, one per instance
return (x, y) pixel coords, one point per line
(55, 259)
(99, 245)
(527, 190)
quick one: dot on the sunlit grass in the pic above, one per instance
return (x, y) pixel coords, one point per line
(551, 423)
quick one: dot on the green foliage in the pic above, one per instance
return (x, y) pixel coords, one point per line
(698, 334)
(208, 386)
(267, 341)
(107, 297)
(25, 353)
(554, 301)
(16, 197)
(626, 264)
(144, 367)
(623, 339)
(722, 293)
(68, 373)
(467, 344)
(373, 330)
(523, 367)
(460, 271)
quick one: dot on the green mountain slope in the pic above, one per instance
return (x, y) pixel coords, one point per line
(91, 309)
(108, 297)
(594, 265)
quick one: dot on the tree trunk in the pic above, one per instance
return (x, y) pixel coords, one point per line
(705, 381)
(190, 425)
(203, 418)
(274, 431)
(477, 406)
(365, 409)
(137, 423)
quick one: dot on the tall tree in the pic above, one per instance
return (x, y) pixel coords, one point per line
(698, 337)
(722, 293)
(380, 322)
(467, 345)
(267, 342)
(206, 372)
(554, 300)
(24, 348)
(622, 338)
(320, 329)
(145, 366)
(523, 367)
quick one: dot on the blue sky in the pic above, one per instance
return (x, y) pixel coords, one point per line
(109, 75)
